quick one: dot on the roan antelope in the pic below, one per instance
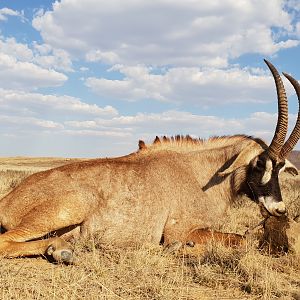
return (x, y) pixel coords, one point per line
(168, 188)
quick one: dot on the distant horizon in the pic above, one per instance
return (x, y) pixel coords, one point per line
(92, 78)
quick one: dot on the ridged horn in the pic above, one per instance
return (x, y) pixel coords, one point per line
(295, 135)
(282, 121)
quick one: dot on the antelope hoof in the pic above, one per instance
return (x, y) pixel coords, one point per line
(190, 244)
(65, 256)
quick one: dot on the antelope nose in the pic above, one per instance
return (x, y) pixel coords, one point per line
(280, 209)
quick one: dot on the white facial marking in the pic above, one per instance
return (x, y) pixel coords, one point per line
(273, 207)
(268, 172)
(283, 168)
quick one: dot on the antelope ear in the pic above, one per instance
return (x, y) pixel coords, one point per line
(244, 157)
(142, 145)
(289, 168)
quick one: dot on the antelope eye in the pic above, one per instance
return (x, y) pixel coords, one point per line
(260, 165)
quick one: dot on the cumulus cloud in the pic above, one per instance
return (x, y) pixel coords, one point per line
(147, 126)
(293, 5)
(19, 51)
(188, 85)
(42, 55)
(165, 123)
(29, 67)
(108, 57)
(28, 122)
(119, 135)
(166, 32)
(180, 52)
(112, 133)
(21, 102)
(5, 12)
(298, 29)
(48, 57)
(16, 74)
(42, 120)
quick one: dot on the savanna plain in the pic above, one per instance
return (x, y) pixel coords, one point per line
(105, 272)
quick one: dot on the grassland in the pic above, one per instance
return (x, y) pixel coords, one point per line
(103, 272)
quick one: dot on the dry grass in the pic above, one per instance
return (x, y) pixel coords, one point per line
(103, 272)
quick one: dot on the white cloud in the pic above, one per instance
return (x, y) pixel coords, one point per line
(293, 4)
(40, 55)
(16, 74)
(48, 57)
(119, 135)
(167, 122)
(164, 32)
(98, 133)
(20, 102)
(28, 69)
(298, 29)
(147, 126)
(21, 52)
(26, 123)
(170, 51)
(5, 12)
(37, 124)
(105, 57)
(188, 85)
(83, 69)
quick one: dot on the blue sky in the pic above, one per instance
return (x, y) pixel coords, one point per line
(90, 78)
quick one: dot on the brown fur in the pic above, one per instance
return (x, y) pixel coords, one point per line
(198, 238)
(170, 188)
(274, 239)
(202, 236)
(280, 235)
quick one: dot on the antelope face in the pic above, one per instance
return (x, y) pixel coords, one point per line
(263, 170)
(262, 180)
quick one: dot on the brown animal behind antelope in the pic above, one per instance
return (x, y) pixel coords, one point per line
(168, 188)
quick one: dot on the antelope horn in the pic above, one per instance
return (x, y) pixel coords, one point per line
(295, 135)
(282, 121)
